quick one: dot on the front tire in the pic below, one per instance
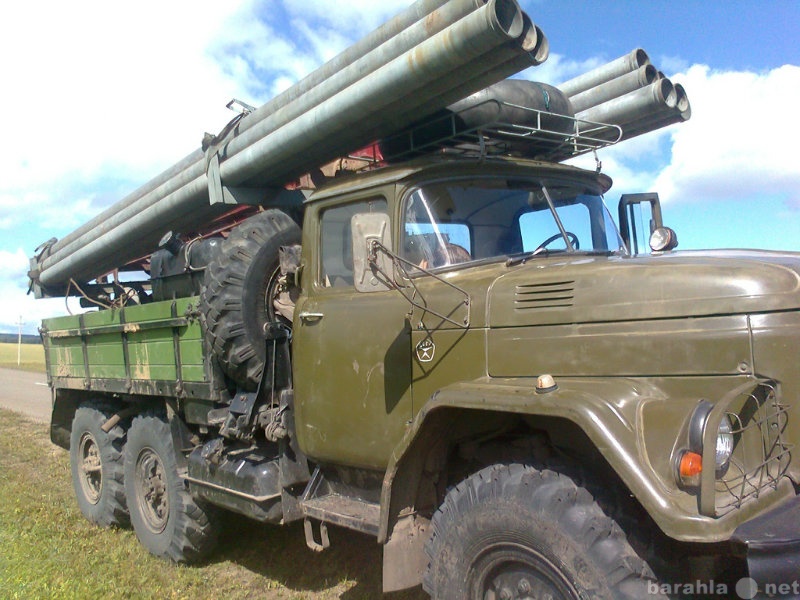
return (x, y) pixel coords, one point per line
(165, 517)
(96, 464)
(513, 531)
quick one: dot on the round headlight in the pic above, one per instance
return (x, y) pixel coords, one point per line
(725, 440)
(663, 239)
(724, 444)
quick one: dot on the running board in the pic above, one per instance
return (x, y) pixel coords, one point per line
(323, 502)
(346, 512)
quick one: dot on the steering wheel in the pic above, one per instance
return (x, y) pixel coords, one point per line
(573, 239)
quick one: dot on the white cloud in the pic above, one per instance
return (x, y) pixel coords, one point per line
(110, 94)
(738, 144)
(740, 140)
(105, 88)
(15, 304)
(354, 17)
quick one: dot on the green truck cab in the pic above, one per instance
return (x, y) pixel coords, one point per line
(465, 359)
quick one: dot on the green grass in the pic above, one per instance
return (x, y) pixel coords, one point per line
(48, 550)
(31, 357)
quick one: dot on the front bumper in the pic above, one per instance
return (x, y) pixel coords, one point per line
(772, 543)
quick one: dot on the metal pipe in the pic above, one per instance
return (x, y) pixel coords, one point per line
(681, 112)
(315, 89)
(474, 75)
(295, 145)
(449, 14)
(148, 187)
(624, 64)
(682, 102)
(419, 10)
(619, 86)
(531, 49)
(495, 23)
(633, 105)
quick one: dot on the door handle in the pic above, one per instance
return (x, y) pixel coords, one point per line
(310, 316)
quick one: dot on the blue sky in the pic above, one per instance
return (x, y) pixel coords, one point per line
(101, 96)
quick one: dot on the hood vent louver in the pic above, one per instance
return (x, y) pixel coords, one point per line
(554, 294)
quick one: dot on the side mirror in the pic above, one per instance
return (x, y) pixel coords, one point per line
(373, 270)
(637, 241)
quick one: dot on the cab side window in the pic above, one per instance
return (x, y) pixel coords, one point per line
(336, 244)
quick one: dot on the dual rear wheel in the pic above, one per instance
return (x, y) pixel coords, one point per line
(131, 476)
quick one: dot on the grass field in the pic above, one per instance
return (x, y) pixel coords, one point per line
(48, 550)
(31, 357)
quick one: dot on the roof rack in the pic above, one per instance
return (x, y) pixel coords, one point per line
(543, 135)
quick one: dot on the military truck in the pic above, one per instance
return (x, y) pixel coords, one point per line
(457, 352)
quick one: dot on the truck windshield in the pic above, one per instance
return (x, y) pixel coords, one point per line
(453, 222)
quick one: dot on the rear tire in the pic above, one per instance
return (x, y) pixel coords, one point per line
(96, 465)
(512, 531)
(238, 293)
(165, 517)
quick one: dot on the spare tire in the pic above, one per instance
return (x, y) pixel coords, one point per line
(238, 292)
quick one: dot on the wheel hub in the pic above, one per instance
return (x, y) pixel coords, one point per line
(91, 471)
(151, 488)
(513, 572)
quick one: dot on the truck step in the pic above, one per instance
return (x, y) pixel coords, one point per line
(348, 512)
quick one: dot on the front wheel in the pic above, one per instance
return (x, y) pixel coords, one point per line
(165, 517)
(513, 531)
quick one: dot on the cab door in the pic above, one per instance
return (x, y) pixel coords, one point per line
(352, 351)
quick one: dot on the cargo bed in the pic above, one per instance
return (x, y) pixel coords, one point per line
(154, 349)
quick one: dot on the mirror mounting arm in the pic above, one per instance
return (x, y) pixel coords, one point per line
(415, 297)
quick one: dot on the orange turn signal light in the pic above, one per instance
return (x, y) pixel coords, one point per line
(690, 467)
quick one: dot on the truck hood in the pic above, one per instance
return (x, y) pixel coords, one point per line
(584, 289)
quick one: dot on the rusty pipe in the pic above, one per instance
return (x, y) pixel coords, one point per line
(619, 86)
(633, 105)
(611, 70)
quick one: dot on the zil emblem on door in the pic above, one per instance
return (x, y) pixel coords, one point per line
(425, 350)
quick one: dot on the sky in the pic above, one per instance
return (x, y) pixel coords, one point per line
(99, 97)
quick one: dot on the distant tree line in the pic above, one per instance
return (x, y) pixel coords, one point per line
(11, 338)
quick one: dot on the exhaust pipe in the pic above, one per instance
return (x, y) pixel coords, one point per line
(622, 65)
(619, 86)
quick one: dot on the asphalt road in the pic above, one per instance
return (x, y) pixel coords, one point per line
(26, 393)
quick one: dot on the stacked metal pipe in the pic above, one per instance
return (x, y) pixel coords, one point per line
(629, 92)
(431, 55)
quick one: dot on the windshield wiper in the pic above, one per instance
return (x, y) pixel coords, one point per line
(522, 258)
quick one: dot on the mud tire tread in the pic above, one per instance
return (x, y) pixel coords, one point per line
(191, 530)
(111, 510)
(235, 282)
(551, 513)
